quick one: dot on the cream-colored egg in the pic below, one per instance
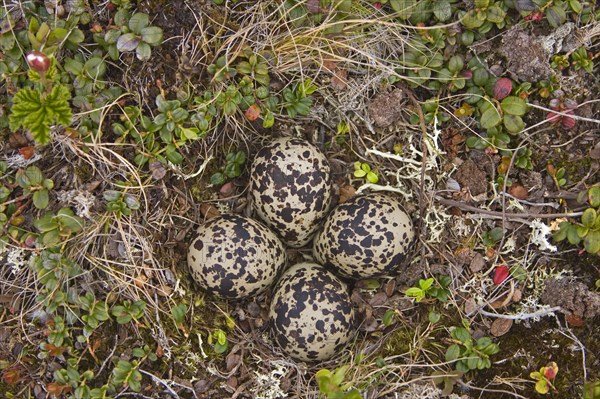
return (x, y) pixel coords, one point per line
(311, 313)
(290, 184)
(367, 236)
(234, 257)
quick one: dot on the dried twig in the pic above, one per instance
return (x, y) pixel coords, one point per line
(522, 316)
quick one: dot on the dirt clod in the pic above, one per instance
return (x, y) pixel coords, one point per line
(386, 108)
(471, 177)
(573, 296)
(527, 58)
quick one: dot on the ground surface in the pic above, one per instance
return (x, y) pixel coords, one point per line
(364, 109)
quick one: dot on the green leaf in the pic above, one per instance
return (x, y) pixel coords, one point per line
(73, 66)
(542, 387)
(461, 334)
(128, 42)
(95, 67)
(138, 352)
(472, 20)
(594, 196)
(556, 16)
(496, 234)
(591, 242)
(513, 105)
(34, 174)
(452, 353)
(76, 36)
(138, 22)
(483, 342)
(572, 235)
(425, 284)
(388, 318)
(40, 199)
(189, 133)
(490, 118)
(480, 76)
(152, 35)
(338, 376)
(45, 223)
(403, 8)
(589, 217)
(37, 113)
(513, 124)
(51, 238)
(472, 362)
(415, 292)
(495, 14)
(456, 64)
(442, 10)
(433, 317)
(372, 178)
(576, 6)
(173, 155)
(178, 312)
(561, 234)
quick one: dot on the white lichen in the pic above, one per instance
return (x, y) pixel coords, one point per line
(16, 258)
(425, 391)
(539, 236)
(268, 386)
(82, 201)
(18, 161)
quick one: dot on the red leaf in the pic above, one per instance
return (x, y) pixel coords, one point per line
(12, 376)
(313, 6)
(252, 113)
(553, 117)
(502, 88)
(54, 350)
(501, 273)
(57, 389)
(574, 320)
(567, 121)
(339, 79)
(27, 152)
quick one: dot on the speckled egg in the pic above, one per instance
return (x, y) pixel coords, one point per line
(234, 257)
(291, 188)
(367, 236)
(311, 313)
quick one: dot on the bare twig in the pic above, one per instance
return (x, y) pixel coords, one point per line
(524, 215)
(522, 316)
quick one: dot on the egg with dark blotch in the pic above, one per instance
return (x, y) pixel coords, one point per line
(235, 257)
(311, 313)
(291, 188)
(367, 236)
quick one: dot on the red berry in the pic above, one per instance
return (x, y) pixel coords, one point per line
(502, 88)
(377, 5)
(38, 61)
(501, 273)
